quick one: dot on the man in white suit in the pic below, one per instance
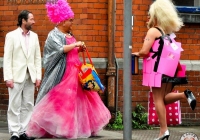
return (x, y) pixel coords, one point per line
(22, 73)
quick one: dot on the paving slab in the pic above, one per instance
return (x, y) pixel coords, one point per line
(175, 133)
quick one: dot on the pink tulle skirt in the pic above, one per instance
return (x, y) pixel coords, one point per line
(68, 111)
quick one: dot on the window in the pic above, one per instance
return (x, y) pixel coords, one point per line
(192, 3)
(189, 10)
(187, 6)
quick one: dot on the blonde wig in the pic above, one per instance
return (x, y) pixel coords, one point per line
(164, 14)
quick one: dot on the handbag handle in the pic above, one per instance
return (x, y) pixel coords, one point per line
(88, 55)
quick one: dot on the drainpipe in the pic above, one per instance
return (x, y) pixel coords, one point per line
(111, 70)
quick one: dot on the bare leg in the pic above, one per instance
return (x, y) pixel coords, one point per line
(163, 96)
(158, 97)
(172, 97)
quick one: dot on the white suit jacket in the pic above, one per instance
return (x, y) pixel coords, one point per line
(17, 61)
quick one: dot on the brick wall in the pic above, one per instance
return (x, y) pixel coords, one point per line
(90, 26)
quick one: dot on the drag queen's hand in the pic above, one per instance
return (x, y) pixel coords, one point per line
(136, 53)
(82, 47)
(79, 43)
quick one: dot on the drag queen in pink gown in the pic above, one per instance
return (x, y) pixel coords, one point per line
(67, 110)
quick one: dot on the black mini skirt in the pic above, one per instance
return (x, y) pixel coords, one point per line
(174, 80)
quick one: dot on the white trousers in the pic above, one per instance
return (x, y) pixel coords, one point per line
(20, 108)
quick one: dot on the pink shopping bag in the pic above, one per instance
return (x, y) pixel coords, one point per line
(173, 113)
(181, 70)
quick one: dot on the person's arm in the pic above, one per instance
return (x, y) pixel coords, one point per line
(38, 63)
(67, 48)
(151, 35)
(7, 60)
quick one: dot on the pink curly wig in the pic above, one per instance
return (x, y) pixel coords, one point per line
(58, 10)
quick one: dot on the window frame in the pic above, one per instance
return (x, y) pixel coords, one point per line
(190, 9)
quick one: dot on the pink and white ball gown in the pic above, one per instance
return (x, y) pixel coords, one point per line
(68, 111)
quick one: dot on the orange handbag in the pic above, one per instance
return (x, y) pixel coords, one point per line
(88, 76)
